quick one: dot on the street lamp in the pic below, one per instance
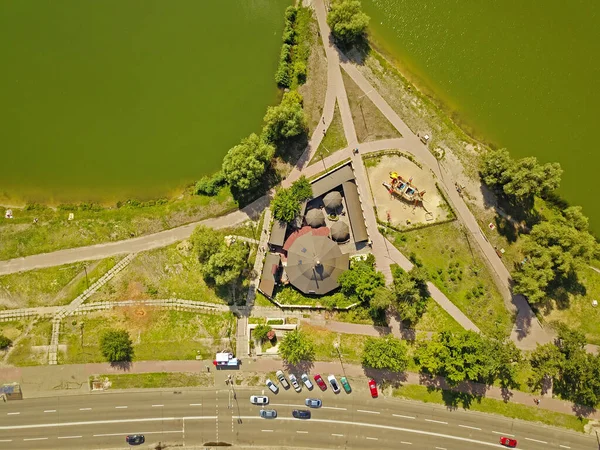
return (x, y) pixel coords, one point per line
(336, 345)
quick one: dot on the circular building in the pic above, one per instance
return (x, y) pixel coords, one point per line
(340, 232)
(314, 264)
(332, 201)
(315, 218)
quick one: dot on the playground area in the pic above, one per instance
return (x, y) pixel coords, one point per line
(404, 194)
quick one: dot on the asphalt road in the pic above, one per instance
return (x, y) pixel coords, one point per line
(197, 417)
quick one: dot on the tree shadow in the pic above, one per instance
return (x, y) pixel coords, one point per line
(291, 150)
(454, 400)
(356, 53)
(386, 377)
(299, 368)
(583, 411)
(124, 366)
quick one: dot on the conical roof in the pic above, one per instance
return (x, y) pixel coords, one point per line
(315, 218)
(333, 200)
(340, 232)
(314, 264)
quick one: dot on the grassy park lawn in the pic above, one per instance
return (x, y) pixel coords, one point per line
(156, 334)
(369, 122)
(490, 406)
(351, 345)
(458, 270)
(334, 139)
(93, 224)
(32, 349)
(157, 380)
(291, 296)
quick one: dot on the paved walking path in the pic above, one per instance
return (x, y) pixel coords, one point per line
(50, 381)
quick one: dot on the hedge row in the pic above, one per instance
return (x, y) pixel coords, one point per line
(286, 71)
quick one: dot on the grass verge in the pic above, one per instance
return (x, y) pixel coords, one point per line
(350, 345)
(290, 296)
(490, 406)
(156, 380)
(334, 139)
(32, 349)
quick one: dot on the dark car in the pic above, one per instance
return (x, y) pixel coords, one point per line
(301, 414)
(135, 439)
(508, 442)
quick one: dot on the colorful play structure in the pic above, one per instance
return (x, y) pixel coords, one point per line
(404, 189)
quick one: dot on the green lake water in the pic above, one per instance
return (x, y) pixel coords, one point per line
(110, 99)
(521, 74)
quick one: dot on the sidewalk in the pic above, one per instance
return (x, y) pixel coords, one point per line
(47, 381)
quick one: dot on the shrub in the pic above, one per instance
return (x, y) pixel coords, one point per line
(4, 341)
(300, 71)
(210, 185)
(282, 77)
(261, 331)
(289, 36)
(290, 14)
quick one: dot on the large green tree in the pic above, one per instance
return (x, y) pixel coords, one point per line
(245, 164)
(361, 281)
(4, 341)
(296, 347)
(286, 203)
(411, 293)
(227, 264)
(387, 353)
(285, 120)
(206, 242)
(302, 189)
(116, 346)
(347, 21)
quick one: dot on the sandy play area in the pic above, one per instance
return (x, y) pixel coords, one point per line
(395, 210)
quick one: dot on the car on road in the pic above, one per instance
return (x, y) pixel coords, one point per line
(282, 380)
(301, 414)
(508, 442)
(306, 381)
(272, 386)
(334, 384)
(320, 382)
(259, 399)
(346, 385)
(135, 439)
(313, 402)
(373, 388)
(268, 413)
(295, 383)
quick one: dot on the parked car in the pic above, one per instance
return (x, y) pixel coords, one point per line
(301, 414)
(373, 388)
(135, 439)
(306, 381)
(268, 413)
(259, 399)
(313, 402)
(346, 385)
(282, 380)
(320, 382)
(295, 383)
(508, 442)
(334, 384)
(272, 386)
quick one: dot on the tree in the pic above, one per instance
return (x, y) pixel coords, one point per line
(206, 242)
(4, 342)
(226, 265)
(546, 361)
(574, 216)
(245, 164)
(496, 167)
(210, 185)
(261, 331)
(285, 206)
(527, 178)
(387, 353)
(382, 299)
(296, 346)
(302, 189)
(504, 357)
(285, 120)
(411, 292)
(361, 281)
(347, 21)
(116, 346)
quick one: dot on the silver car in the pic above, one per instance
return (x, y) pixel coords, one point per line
(282, 379)
(313, 402)
(272, 386)
(268, 413)
(306, 381)
(259, 399)
(295, 383)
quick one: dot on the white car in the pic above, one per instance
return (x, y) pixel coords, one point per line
(272, 386)
(259, 399)
(282, 380)
(306, 381)
(295, 383)
(334, 384)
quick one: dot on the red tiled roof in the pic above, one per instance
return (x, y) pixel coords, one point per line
(321, 231)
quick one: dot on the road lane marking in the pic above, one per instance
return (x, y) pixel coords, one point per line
(471, 428)
(5, 440)
(195, 404)
(436, 421)
(338, 435)
(368, 412)
(105, 422)
(155, 406)
(564, 446)
(120, 407)
(85, 409)
(404, 417)
(145, 432)
(503, 434)
(440, 448)
(407, 443)
(536, 440)
(372, 439)
(333, 407)
(69, 437)
(267, 431)
(302, 432)
(49, 410)
(13, 414)
(35, 439)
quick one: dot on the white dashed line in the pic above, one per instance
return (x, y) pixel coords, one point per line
(436, 421)
(49, 410)
(404, 417)
(470, 428)
(535, 440)
(368, 412)
(69, 437)
(564, 446)
(503, 434)
(120, 407)
(145, 432)
(195, 404)
(440, 448)
(85, 409)
(338, 435)
(5, 440)
(156, 406)
(13, 414)
(407, 443)
(35, 439)
(267, 431)
(372, 439)
(302, 432)
(333, 407)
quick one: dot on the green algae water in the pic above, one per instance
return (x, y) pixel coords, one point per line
(521, 74)
(113, 99)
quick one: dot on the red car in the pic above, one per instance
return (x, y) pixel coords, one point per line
(508, 442)
(373, 388)
(320, 382)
